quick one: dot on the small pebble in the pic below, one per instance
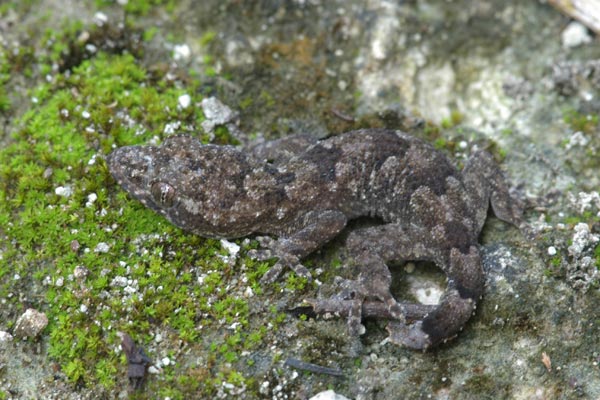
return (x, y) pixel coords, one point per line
(5, 336)
(574, 35)
(181, 52)
(63, 191)
(80, 272)
(30, 324)
(101, 248)
(184, 101)
(328, 395)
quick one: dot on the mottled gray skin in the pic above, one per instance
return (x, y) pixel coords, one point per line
(305, 196)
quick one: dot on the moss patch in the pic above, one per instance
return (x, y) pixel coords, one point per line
(100, 262)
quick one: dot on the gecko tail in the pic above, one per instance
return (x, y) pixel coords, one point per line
(457, 305)
(439, 326)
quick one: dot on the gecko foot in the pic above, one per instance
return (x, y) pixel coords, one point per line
(273, 273)
(411, 336)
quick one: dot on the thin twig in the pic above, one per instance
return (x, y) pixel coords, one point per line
(314, 368)
(375, 309)
(342, 116)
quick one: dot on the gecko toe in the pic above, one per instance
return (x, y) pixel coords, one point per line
(411, 336)
(272, 274)
(302, 271)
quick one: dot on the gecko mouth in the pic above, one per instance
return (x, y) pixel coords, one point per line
(128, 166)
(131, 169)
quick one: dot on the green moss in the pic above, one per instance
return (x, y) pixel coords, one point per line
(485, 386)
(60, 209)
(5, 67)
(149, 33)
(555, 261)
(440, 143)
(245, 102)
(455, 118)
(266, 98)
(506, 132)
(587, 217)
(139, 7)
(431, 131)
(295, 282)
(587, 123)
(17, 5)
(207, 38)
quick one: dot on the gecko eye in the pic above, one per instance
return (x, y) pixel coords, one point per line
(163, 194)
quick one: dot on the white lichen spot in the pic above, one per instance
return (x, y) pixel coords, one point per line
(216, 113)
(119, 281)
(574, 35)
(100, 18)
(171, 127)
(102, 248)
(232, 248)
(154, 370)
(577, 139)
(582, 239)
(80, 272)
(63, 191)
(184, 101)
(181, 52)
(429, 296)
(264, 387)
(234, 326)
(130, 289)
(383, 37)
(90, 48)
(91, 199)
(5, 336)
(584, 201)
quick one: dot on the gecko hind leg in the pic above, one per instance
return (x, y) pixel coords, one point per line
(370, 248)
(373, 282)
(446, 320)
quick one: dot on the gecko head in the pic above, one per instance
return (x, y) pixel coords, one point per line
(193, 185)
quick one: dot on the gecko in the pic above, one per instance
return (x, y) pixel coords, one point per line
(298, 193)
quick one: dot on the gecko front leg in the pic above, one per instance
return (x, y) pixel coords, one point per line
(310, 232)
